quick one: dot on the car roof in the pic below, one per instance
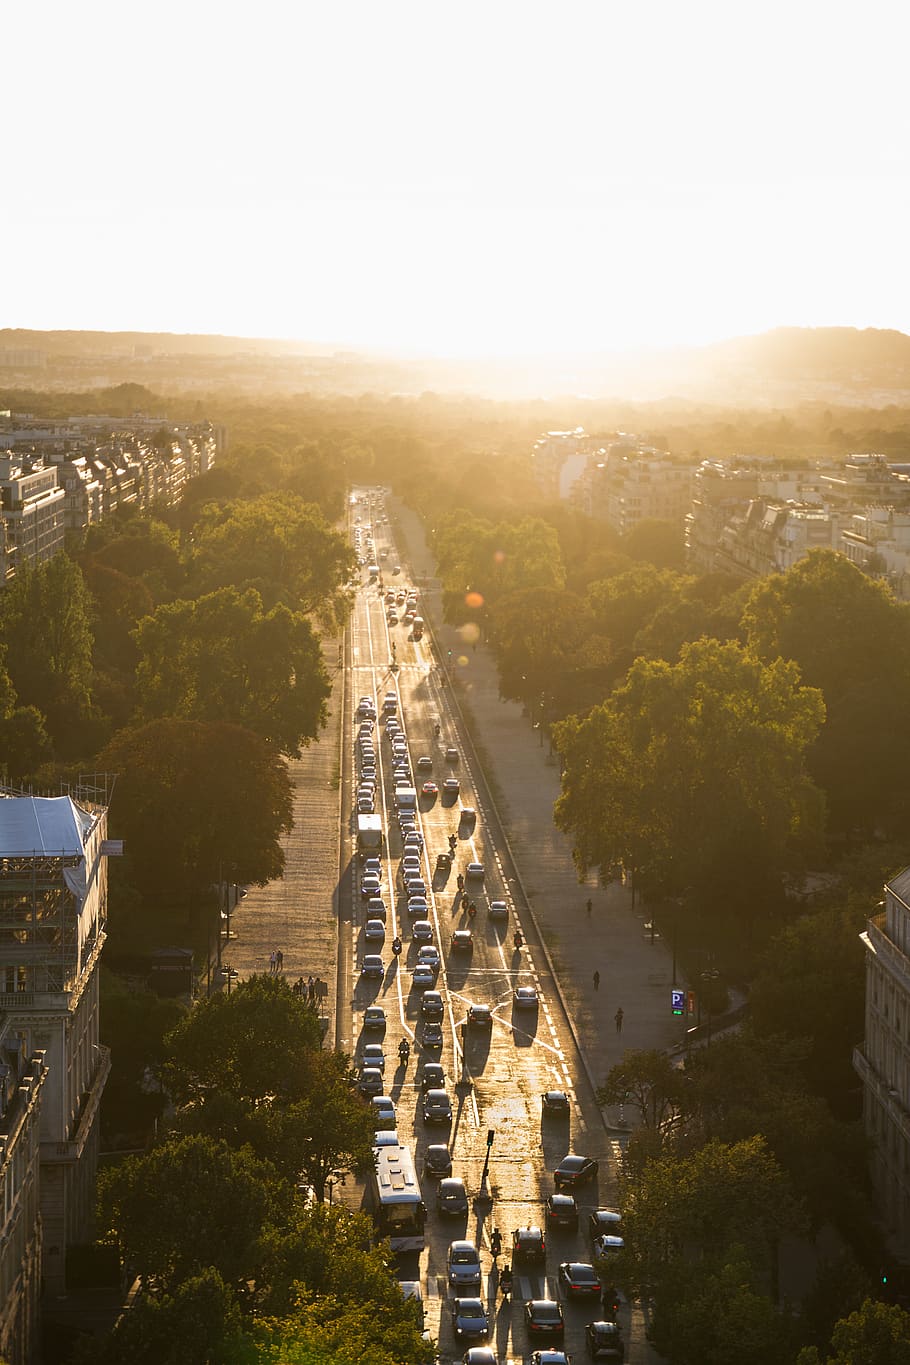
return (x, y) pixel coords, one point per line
(463, 1245)
(571, 1160)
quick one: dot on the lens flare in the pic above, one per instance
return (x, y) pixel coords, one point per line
(474, 600)
(470, 633)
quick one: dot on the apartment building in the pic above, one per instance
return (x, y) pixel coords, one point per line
(22, 1076)
(883, 1059)
(32, 508)
(53, 912)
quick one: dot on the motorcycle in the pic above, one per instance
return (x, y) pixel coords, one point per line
(396, 946)
(404, 1050)
(472, 910)
(505, 1281)
(460, 880)
(437, 730)
(518, 939)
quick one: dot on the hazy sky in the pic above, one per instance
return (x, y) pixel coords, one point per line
(457, 178)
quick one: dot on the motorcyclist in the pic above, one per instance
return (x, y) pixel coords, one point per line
(438, 730)
(453, 842)
(460, 880)
(404, 1050)
(517, 938)
(610, 1302)
(396, 945)
(505, 1281)
(495, 1243)
(472, 909)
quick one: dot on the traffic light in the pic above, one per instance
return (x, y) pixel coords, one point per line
(491, 1133)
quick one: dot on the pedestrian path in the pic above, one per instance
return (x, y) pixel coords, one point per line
(633, 967)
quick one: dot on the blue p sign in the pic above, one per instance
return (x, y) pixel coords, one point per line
(678, 1002)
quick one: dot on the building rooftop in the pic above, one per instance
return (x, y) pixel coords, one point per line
(50, 826)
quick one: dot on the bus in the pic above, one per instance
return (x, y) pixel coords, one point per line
(399, 1212)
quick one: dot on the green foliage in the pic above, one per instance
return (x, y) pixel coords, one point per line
(222, 657)
(539, 636)
(811, 986)
(480, 562)
(217, 797)
(622, 605)
(199, 1323)
(133, 1025)
(649, 1082)
(24, 741)
(851, 639)
(693, 776)
(45, 626)
(191, 1205)
(278, 544)
(661, 543)
(341, 1331)
(876, 1334)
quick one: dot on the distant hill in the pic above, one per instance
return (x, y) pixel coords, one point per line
(831, 354)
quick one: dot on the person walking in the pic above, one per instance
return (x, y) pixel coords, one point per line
(618, 1018)
(597, 981)
(279, 960)
(590, 905)
(309, 987)
(273, 959)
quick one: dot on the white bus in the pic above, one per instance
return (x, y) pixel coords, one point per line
(399, 1212)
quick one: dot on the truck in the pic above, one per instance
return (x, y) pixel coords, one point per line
(369, 834)
(406, 799)
(417, 628)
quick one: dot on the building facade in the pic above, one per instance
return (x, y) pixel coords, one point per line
(883, 1060)
(53, 912)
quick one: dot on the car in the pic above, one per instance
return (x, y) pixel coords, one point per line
(417, 905)
(437, 1161)
(529, 1244)
(390, 701)
(372, 966)
(374, 931)
(451, 786)
(429, 953)
(416, 887)
(373, 1055)
(365, 805)
(414, 839)
(383, 1112)
(525, 998)
(425, 764)
(604, 1341)
(481, 1015)
(374, 1017)
(467, 817)
(578, 1280)
(422, 976)
(498, 910)
(370, 886)
(607, 1245)
(469, 1319)
(376, 908)
(544, 1318)
(562, 1212)
(474, 872)
(368, 772)
(437, 1107)
(422, 930)
(392, 618)
(411, 874)
(392, 728)
(396, 569)
(574, 1170)
(432, 1006)
(371, 1081)
(429, 789)
(604, 1223)
(399, 747)
(463, 1265)
(410, 863)
(433, 1077)
(549, 1358)
(555, 1102)
(463, 940)
(431, 1034)
(451, 755)
(373, 866)
(451, 1196)
(444, 862)
(480, 1355)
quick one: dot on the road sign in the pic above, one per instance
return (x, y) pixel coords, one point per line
(690, 999)
(678, 1002)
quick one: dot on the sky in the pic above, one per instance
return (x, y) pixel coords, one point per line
(470, 179)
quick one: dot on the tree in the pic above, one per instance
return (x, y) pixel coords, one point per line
(877, 1334)
(45, 625)
(276, 543)
(623, 605)
(222, 657)
(538, 634)
(191, 1205)
(661, 543)
(260, 1041)
(197, 1324)
(649, 1082)
(217, 797)
(692, 776)
(24, 741)
(133, 1024)
(851, 639)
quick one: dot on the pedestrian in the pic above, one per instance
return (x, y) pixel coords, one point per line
(272, 960)
(296, 987)
(590, 905)
(597, 981)
(310, 987)
(618, 1016)
(280, 960)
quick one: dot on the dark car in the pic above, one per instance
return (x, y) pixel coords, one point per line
(554, 1102)
(543, 1318)
(574, 1170)
(480, 1015)
(529, 1244)
(431, 1006)
(463, 940)
(604, 1223)
(431, 1034)
(433, 1077)
(443, 862)
(604, 1341)
(469, 1318)
(437, 1107)
(562, 1212)
(437, 1161)
(452, 1197)
(480, 1355)
(577, 1280)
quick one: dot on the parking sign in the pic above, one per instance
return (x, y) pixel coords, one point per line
(678, 1002)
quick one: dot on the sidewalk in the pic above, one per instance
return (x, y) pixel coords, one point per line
(635, 972)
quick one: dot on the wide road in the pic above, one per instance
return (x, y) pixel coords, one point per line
(495, 1077)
